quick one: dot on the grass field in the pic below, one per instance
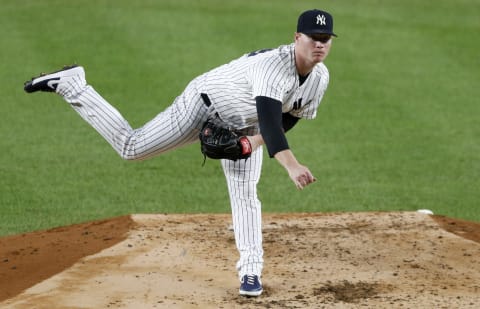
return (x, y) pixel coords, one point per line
(398, 129)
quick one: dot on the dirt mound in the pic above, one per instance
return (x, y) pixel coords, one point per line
(347, 260)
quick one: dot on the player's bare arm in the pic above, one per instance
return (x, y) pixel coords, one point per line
(255, 141)
(273, 125)
(299, 174)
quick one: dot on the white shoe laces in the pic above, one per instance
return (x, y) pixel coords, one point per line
(251, 279)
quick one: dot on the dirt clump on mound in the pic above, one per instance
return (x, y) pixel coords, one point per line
(347, 260)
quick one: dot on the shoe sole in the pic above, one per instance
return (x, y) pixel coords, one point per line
(42, 82)
(250, 293)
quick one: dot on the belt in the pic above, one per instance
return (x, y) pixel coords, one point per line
(206, 99)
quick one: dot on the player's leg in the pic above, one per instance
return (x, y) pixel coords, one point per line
(178, 125)
(242, 178)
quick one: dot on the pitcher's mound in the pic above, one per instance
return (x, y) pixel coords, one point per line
(347, 260)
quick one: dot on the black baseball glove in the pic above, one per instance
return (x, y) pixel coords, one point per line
(219, 142)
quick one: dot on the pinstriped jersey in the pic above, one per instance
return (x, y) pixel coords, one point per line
(232, 87)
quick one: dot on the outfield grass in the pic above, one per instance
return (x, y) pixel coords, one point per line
(397, 130)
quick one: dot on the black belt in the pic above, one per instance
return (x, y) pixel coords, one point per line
(206, 99)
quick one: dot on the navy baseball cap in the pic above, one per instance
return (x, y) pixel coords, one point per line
(315, 21)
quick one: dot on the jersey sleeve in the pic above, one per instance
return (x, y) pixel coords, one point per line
(267, 78)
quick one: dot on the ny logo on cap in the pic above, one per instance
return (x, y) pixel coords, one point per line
(321, 20)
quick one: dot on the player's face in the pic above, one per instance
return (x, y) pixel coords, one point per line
(313, 48)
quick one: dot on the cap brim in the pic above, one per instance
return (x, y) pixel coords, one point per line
(314, 31)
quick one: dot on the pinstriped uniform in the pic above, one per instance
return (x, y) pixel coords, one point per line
(232, 89)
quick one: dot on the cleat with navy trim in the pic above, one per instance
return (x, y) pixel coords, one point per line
(250, 285)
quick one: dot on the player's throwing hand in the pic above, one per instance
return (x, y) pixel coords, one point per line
(301, 176)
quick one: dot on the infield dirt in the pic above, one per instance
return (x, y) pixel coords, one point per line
(334, 260)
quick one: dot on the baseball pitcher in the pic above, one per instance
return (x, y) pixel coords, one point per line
(232, 110)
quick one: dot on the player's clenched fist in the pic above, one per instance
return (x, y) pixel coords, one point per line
(301, 176)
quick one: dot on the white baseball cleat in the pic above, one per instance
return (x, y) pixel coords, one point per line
(67, 81)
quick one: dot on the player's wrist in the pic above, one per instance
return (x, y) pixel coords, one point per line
(287, 159)
(255, 141)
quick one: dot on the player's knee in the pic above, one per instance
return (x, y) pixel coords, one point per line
(130, 156)
(127, 158)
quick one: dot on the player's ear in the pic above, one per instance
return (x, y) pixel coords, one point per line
(297, 36)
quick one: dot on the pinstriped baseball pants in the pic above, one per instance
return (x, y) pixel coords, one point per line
(177, 126)
(242, 179)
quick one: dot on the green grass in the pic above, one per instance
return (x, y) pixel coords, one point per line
(398, 128)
